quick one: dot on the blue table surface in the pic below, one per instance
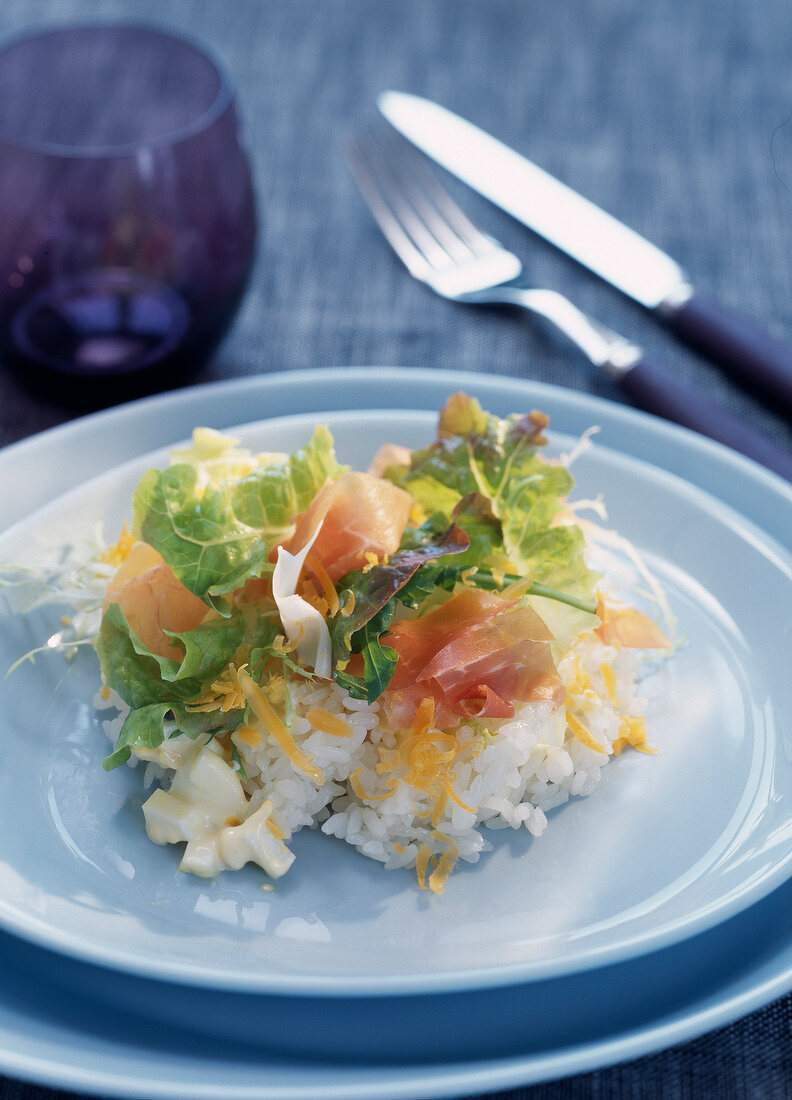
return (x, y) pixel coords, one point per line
(676, 117)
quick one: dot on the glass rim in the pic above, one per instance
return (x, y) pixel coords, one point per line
(224, 98)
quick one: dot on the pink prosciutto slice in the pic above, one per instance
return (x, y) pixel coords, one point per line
(154, 600)
(476, 656)
(361, 515)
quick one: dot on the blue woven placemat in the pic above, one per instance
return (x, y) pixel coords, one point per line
(672, 116)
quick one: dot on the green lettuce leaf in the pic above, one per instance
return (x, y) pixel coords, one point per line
(379, 661)
(269, 498)
(147, 727)
(208, 648)
(142, 678)
(139, 676)
(210, 550)
(142, 728)
(214, 537)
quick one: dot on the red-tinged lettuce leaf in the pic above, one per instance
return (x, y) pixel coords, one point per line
(371, 594)
(373, 588)
(481, 457)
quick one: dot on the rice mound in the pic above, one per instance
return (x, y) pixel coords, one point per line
(423, 803)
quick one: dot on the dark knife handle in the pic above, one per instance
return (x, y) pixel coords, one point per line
(749, 355)
(653, 388)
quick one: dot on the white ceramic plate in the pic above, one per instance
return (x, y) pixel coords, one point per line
(665, 848)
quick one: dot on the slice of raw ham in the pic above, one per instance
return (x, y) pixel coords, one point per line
(154, 600)
(363, 515)
(475, 655)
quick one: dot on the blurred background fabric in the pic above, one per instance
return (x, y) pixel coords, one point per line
(675, 117)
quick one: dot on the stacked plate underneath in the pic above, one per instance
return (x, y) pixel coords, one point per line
(654, 910)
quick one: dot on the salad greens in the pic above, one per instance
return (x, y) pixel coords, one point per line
(497, 461)
(215, 536)
(489, 517)
(370, 595)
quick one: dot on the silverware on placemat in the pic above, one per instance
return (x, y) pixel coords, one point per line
(440, 246)
(598, 241)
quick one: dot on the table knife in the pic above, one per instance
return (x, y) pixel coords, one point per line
(598, 241)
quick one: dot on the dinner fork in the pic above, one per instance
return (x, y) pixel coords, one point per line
(440, 246)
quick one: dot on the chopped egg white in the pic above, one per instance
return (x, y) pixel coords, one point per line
(206, 807)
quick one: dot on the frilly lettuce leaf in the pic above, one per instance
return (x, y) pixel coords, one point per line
(197, 532)
(269, 498)
(216, 535)
(139, 676)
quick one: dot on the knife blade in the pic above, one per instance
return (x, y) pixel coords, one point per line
(597, 240)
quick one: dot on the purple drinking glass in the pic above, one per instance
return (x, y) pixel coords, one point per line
(127, 214)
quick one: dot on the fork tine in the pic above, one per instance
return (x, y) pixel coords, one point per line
(394, 185)
(411, 208)
(449, 224)
(377, 196)
(418, 211)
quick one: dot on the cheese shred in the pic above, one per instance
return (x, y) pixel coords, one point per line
(323, 720)
(582, 734)
(277, 728)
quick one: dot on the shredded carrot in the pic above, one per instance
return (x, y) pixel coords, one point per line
(609, 679)
(371, 561)
(115, 554)
(421, 864)
(424, 716)
(448, 779)
(248, 736)
(280, 645)
(445, 863)
(423, 758)
(439, 808)
(223, 694)
(439, 877)
(632, 731)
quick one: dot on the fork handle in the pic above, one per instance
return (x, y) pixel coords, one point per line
(654, 388)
